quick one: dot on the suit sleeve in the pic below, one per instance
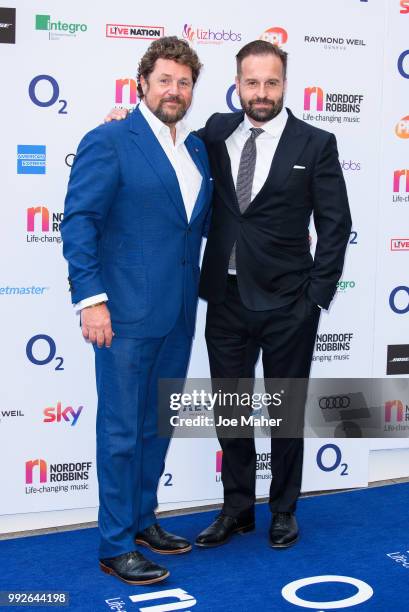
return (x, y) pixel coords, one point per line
(332, 221)
(91, 190)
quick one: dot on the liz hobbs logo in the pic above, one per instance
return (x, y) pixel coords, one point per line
(209, 36)
(342, 107)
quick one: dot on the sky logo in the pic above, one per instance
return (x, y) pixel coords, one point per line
(55, 414)
(42, 468)
(31, 159)
(319, 102)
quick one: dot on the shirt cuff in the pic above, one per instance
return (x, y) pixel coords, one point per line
(94, 299)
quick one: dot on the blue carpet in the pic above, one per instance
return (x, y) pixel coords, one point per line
(347, 534)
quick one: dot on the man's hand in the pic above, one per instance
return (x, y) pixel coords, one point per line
(116, 114)
(96, 325)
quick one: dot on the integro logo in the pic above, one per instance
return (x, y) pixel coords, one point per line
(46, 229)
(399, 299)
(399, 244)
(402, 127)
(404, 7)
(39, 472)
(206, 36)
(343, 286)
(275, 36)
(31, 159)
(126, 92)
(56, 414)
(116, 30)
(58, 29)
(334, 102)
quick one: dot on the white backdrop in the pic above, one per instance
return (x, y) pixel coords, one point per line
(59, 83)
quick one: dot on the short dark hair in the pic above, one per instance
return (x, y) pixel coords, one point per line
(261, 47)
(171, 48)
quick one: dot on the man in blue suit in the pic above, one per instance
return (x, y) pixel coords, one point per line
(137, 206)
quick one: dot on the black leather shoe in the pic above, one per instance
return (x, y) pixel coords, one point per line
(160, 541)
(222, 529)
(283, 530)
(133, 568)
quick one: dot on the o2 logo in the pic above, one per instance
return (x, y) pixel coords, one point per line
(328, 463)
(169, 480)
(354, 238)
(364, 592)
(232, 99)
(404, 309)
(403, 71)
(49, 98)
(51, 350)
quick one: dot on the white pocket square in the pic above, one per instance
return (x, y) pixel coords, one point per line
(299, 167)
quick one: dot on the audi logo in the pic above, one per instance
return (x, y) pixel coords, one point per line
(335, 401)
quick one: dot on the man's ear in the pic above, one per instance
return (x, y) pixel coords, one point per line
(237, 82)
(144, 84)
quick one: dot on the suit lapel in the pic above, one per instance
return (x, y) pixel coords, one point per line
(225, 178)
(151, 149)
(195, 155)
(292, 142)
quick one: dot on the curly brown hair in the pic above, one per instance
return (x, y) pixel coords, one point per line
(171, 48)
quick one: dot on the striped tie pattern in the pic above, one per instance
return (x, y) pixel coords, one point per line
(245, 178)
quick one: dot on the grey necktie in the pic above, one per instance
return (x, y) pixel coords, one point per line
(245, 178)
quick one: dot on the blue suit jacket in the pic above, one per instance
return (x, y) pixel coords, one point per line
(125, 230)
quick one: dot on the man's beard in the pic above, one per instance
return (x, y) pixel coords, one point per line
(262, 114)
(171, 117)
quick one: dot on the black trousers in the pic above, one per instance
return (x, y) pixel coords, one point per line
(286, 336)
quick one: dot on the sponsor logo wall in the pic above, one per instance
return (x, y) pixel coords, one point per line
(63, 69)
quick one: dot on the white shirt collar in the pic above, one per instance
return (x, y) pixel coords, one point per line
(274, 127)
(158, 127)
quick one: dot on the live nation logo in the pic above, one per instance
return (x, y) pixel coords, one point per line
(119, 30)
(399, 244)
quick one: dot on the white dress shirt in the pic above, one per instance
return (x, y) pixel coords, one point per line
(188, 176)
(266, 145)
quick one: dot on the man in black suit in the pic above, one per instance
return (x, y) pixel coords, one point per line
(264, 290)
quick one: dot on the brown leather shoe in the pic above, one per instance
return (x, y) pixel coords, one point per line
(133, 568)
(160, 541)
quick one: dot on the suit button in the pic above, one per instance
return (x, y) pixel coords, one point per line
(183, 262)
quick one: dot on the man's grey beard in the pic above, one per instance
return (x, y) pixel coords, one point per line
(170, 118)
(262, 115)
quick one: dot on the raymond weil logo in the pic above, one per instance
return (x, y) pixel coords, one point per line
(333, 43)
(404, 7)
(275, 36)
(331, 106)
(402, 127)
(58, 29)
(144, 32)
(8, 25)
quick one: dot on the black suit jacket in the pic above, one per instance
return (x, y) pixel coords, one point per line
(274, 263)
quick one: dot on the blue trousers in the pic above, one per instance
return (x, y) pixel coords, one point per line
(130, 456)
